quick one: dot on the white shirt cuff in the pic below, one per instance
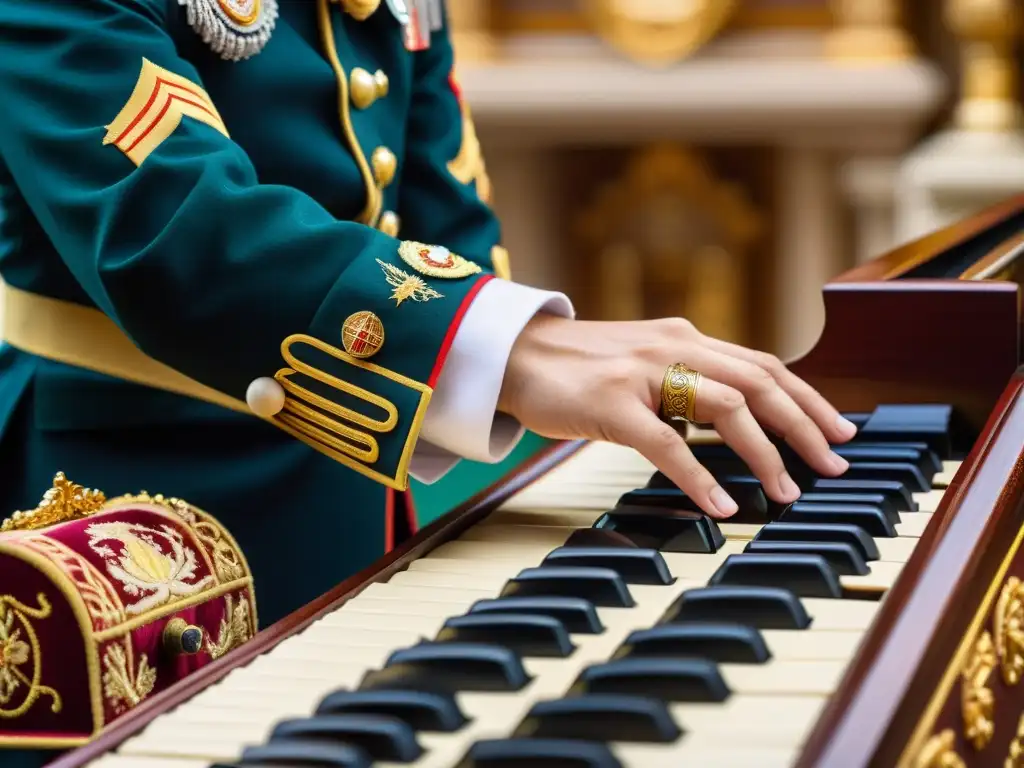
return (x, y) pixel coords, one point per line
(462, 419)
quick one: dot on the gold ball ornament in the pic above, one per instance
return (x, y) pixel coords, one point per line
(389, 223)
(360, 10)
(384, 165)
(362, 334)
(362, 88)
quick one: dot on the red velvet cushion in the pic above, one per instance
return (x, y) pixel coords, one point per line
(83, 608)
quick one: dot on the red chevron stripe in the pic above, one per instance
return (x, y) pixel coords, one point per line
(152, 100)
(156, 121)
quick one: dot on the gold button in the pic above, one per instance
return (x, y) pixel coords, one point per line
(362, 88)
(389, 223)
(362, 334)
(181, 638)
(380, 80)
(384, 165)
(360, 10)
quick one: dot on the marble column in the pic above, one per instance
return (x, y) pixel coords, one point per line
(809, 246)
(868, 184)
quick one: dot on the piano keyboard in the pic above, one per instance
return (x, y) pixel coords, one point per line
(554, 634)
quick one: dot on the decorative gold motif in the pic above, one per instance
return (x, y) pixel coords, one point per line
(658, 32)
(62, 502)
(436, 260)
(500, 263)
(19, 647)
(362, 334)
(468, 165)
(977, 699)
(1015, 753)
(235, 628)
(938, 752)
(143, 567)
(124, 685)
(362, 87)
(679, 392)
(244, 12)
(1008, 626)
(101, 602)
(407, 286)
(384, 164)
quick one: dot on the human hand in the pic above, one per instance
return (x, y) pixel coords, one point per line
(570, 379)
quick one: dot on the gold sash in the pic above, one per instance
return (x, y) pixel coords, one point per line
(86, 338)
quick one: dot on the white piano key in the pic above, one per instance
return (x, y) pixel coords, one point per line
(944, 478)
(135, 761)
(700, 753)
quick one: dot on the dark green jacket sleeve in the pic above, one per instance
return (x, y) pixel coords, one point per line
(202, 266)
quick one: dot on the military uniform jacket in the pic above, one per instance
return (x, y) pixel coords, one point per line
(247, 190)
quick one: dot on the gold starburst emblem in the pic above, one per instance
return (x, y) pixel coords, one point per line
(407, 286)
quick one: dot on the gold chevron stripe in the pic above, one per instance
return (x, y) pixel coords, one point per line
(155, 109)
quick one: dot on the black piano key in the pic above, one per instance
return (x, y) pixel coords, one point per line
(746, 491)
(601, 586)
(721, 642)
(761, 607)
(527, 635)
(880, 500)
(635, 566)
(911, 423)
(422, 710)
(918, 454)
(675, 680)
(803, 575)
(539, 753)
(853, 535)
(666, 530)
(314, 754)
(450, 668)
(897, 492)
(614, 718)
(844, 558)
(903, 472)
(579, 616)
(871, 519)
(380, 736)
(930, 460)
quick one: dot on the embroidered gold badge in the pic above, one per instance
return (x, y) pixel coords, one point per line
(234, 29)
(362, 334)
(468, 166)
(407, 286)
(159, 101)
(436, 261)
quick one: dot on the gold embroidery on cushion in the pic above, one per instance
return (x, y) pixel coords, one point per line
(125, 686)
(98, 596)
(19, 647)
(142, 567)
(235, 628)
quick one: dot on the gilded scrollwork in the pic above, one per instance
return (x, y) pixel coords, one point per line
(235, 627)
(1015, 753)
(21, 660)
(124, 684)
(939, 752)
(1008, 626)
(977, 699)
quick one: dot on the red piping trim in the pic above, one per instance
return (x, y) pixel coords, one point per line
(449, 337)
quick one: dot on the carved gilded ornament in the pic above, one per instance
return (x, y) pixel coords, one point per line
(658, 32)
(125, 684)
(1015, 753)
(938, 752)
(1008, 625)
(21, 659)
(977, 699)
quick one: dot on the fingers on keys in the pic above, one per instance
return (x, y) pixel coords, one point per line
(636, 426)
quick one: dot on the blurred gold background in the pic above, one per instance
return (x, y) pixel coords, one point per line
(723, 159)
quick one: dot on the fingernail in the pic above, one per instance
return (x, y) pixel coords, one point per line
(846, 427)
(840, 464)
(789, 489)
(723, 502)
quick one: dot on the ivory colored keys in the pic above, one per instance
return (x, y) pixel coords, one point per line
(678, 644)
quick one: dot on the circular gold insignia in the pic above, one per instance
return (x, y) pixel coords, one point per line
(362, 334)
(235, 29)
(244, 12)
(436, 261)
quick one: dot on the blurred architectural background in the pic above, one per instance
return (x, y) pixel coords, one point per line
(722, 159)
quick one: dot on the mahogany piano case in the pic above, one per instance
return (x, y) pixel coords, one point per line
(105, 603)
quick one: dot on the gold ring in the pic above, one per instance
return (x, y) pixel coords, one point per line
(679, 393)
